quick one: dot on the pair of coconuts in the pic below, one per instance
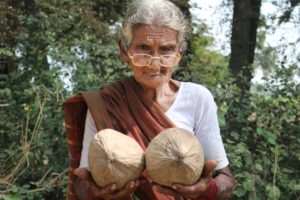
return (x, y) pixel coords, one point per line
(174, 156)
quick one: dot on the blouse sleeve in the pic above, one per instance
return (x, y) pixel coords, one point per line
(207, 129)
(89, 132)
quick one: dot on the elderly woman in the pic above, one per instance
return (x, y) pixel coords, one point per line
(154, 38)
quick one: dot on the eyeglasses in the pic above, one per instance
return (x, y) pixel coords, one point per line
(142, 60)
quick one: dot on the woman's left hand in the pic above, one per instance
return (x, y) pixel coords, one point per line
(192, 191)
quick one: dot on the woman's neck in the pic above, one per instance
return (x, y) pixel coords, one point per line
(163, 95)
(165, 89)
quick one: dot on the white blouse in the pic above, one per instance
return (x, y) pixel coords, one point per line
(194, 109)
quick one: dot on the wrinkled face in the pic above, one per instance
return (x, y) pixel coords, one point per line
(155, 41)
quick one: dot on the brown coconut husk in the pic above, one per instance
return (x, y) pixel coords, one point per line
(115, 158)
(174, 156)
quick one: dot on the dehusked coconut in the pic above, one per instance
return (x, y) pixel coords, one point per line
(115, 158)
(174, 156)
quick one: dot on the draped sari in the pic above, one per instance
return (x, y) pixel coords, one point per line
(122, 106)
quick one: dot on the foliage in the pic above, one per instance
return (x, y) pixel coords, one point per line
(57, 40)
(34, 141)
(62, 47)
(263, 148)
(204, 65)
(264, 152)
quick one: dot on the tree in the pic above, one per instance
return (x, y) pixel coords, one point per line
(286, 16)
(243, 41)
(254, 133)
(40, 39)
(10, 29)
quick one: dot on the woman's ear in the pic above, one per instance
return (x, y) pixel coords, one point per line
(123, 52)
(180, 53)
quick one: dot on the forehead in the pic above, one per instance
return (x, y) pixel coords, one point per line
(143, 32)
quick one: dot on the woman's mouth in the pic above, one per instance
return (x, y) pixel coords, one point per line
(154, 74)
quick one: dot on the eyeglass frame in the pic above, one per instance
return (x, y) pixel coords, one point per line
(153, 57)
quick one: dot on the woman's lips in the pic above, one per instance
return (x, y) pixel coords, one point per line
(153, 75)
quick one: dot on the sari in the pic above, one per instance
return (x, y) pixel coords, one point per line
(122, 106)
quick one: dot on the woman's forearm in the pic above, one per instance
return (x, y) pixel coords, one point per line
(225, 183)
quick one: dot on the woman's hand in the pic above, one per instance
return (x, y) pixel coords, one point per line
(109, 192)
(193, 191)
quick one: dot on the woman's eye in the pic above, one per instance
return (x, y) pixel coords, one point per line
(167, 49)
(144, 47)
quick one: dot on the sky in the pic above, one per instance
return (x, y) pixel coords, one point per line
(208, 12)
(219, 27)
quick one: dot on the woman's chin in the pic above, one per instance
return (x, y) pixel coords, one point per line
(153, 83)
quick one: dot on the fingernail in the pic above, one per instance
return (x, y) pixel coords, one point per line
(75, 171)
(174, 187)
(131, 185)
(113, 187)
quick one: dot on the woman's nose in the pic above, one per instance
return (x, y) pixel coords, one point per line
(155, 61)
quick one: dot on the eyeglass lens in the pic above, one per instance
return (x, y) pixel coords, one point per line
(144, 59)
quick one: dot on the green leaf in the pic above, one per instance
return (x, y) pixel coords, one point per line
(258, 167)
(240, 192)
(235, 135)
(12, 197)
(271, 138)
(222, 120)
(295, 187)
(248, 185)
(260, 130)
(273, 192)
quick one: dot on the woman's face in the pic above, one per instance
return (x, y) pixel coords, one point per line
(155, 41)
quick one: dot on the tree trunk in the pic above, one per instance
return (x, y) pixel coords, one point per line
(184, 6)
(9, 31)
(243, 40)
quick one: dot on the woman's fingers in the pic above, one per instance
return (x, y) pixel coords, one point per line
(85, 174)
(102, 192)
(195, 190)
(185, 189)
(166, 190)
(82, 173)
(125, 192)
(201, 185)
(108, 192)
(209, 166)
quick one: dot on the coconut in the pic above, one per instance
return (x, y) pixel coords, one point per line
(174, 156)
(115, 158)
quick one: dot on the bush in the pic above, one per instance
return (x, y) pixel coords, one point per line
(264, 149)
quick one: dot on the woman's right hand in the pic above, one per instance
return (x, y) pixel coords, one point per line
(109, 192)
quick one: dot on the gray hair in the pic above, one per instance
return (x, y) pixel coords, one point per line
(155, 12)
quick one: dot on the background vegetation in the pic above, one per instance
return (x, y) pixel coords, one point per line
(50, 50)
